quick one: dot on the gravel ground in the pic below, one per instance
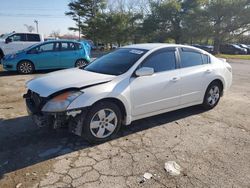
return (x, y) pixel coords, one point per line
(212, 148)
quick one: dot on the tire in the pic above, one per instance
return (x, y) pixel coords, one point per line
(1, 55)
(97, 128)
(212, 95)
(25, 67)
(81, 63)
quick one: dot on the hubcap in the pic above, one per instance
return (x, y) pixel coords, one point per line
(103, 123)
(214, 95)
(26, 67)
(80, 63)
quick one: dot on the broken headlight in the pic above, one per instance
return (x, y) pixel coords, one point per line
(61, 102)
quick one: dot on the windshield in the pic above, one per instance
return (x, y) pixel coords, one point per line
(4, 36)
(117, 62)
(244, 46)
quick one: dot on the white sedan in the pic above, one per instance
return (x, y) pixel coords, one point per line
(131, 83)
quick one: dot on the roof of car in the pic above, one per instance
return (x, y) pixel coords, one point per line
(150, 46)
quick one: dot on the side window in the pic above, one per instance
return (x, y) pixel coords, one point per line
(33, 38)
(78, 46)
(57, 46)
(161, 61)
(46, 47)
(18, 37)
(205, 58)
(189, 59)
(67, 46)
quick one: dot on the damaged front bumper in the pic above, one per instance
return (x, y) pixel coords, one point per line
(73, 119)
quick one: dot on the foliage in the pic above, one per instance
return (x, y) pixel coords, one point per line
(181, 21)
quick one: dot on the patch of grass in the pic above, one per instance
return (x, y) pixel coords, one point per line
(226, 56)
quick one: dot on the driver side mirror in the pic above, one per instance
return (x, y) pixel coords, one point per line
(8, 40)
(144, 71)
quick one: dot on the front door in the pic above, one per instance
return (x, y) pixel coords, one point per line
(47, 56)
(159, 91)
(16, 43)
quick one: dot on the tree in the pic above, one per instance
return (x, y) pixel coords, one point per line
(167, 18)
(82, 12)
(227, 17)
(30, 28)
(55, 34)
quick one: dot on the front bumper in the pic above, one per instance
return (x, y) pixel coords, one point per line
(73, 119)
(8, 64)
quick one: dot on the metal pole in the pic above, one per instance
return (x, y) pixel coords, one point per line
(79, 25)
(36, 22)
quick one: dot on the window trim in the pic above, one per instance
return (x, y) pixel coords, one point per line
(67, 46)
(186, 49)
(166, 49)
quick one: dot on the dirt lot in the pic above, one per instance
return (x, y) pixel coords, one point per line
(213, 148)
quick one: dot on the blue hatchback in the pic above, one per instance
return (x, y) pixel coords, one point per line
(48, 55)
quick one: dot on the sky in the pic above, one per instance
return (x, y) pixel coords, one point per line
(49, 13)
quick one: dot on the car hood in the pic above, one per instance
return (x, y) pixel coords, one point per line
(65, 79)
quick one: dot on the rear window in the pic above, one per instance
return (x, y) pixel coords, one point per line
(33, 38)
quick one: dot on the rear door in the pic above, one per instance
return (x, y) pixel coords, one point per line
(68, 54)
(32, 39)
(196, 73)
(159, 91)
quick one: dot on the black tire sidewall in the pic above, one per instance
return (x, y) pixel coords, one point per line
(81, 60)
(18, 67)
(205, 104)
(86, 125)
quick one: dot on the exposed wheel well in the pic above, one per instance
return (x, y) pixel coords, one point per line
(220, 83)
(118, 103)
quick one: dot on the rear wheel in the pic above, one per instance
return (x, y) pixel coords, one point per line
(212, 95)
(102, 122)
(81, 63)
(25, 67)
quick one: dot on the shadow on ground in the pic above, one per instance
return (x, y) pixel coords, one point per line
(14, 73)
(23, 144)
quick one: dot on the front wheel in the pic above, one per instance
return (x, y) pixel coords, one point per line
(212, 95)
(102, 122)
(25, 67)
(81, 63)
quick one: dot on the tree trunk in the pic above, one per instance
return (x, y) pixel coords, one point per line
(217, 43)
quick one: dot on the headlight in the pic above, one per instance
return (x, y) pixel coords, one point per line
(61, 102)
(13, 56)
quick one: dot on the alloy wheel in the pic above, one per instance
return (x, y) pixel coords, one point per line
(25, 67)
(103, 123)
(81, 63)
(213, 95)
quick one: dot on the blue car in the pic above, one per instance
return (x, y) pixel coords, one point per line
(48, 55)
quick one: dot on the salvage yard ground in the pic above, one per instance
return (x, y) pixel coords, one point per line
(213, 147)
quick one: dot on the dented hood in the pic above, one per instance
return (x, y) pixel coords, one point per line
(65, 79)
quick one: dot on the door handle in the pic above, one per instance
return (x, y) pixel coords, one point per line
(208, 71)
(175, 79)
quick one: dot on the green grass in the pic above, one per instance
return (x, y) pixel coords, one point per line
(243, 57)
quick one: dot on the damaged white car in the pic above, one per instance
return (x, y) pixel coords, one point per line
(131, 83)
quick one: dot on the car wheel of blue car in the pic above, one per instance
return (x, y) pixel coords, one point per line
(25, 67)
(81, 63)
